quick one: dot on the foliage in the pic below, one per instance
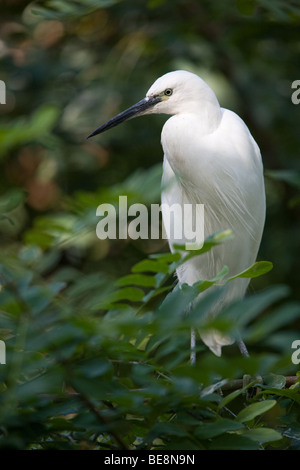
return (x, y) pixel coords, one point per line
(81, 374)
(96, 331)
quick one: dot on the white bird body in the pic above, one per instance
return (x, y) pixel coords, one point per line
(210, 158)
(233, 198)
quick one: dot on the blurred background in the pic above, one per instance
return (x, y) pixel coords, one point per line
(85, 369)
(69, 66)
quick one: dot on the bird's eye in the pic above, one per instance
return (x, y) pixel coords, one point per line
(168, 92)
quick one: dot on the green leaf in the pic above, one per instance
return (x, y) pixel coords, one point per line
(151, 266)
(11, 200)
(274, 381)
(233, 441)
(137, 280)
(36, 128)
(212, 388)
(128, 293)
(44, 118)
(255, 409)
(43, 240)
(209, 243)
(231, 396)
(262, 435)
(245, 310)
(257, 269)
(201, 286)
(220, 426)
(166, 257)
(291, 393)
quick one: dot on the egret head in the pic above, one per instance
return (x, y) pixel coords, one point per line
(173, 93)
(180, 92)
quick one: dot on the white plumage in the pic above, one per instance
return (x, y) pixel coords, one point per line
(210, 158)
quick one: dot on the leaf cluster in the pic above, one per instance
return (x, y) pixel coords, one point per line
(107, 367)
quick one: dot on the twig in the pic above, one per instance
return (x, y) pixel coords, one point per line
(238, 383)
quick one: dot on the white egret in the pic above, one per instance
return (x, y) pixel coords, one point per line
(210, 158)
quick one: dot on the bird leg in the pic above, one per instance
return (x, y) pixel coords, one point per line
(246, 377)
(243, 348)
(193, 347)
(244, 351)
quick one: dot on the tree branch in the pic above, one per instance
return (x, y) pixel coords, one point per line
(238, 383)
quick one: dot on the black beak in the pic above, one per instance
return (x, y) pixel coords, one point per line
(136, 110)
